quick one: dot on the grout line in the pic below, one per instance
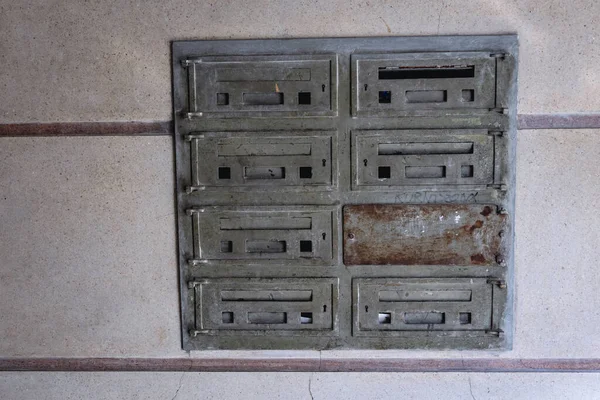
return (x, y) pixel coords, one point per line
(165, 128)
(125, 128)
(298, 365)
(558, 121)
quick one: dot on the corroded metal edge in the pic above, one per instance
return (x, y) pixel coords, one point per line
(299, 365)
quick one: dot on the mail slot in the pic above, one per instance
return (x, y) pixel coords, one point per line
(428, 157)
(386, 84)
(388, 306)
(255, 160)
(255, 86)
(230, 233)
(265, 304)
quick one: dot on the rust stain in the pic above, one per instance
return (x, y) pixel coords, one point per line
(435, 234)
(478, 259)
(478, 224)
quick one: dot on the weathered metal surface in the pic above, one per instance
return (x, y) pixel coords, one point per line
(434, 234)
(390, 83)
(251, 86)
(298, 235)
(392, 307)
(271, 141)
(291, 305)
(231, 161)
(458, 157)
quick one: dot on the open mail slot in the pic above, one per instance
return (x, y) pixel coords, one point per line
(265, 304)
(388, 306)
(223, 233)
(386, 84)
(384, 159)
(247, 160)
(254, 86)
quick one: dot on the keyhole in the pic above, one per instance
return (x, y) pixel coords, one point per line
(324, 162)
(323, 88)
(366, 308)
(324, 308)
(365, 161)
(324, 235)
(366, 86)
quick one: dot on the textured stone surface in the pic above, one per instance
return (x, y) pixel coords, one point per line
(87, 247)
(88, 259)
(557, 236)
(109, 60)
(301, 386)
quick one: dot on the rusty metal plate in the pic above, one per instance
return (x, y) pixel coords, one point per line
(435, 234)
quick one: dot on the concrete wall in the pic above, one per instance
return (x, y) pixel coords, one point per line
(297, 386)
(87, 239)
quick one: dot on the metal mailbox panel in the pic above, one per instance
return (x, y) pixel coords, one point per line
(254, 86)
(318, 177)
(230, 160)
(432, 234)
(302, 235)
(266, 304)
(388, 306)
(385, 84)
(422, 157)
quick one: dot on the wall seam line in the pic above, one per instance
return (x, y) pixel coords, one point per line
(298, 365)
(165, 128)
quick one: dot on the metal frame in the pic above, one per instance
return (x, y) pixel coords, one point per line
(339, 123)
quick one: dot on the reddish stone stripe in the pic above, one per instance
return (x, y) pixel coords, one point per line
(132, 128)
(159, 128)
(300, 365)
(158, 364)
(461, 365)
(558, 121)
